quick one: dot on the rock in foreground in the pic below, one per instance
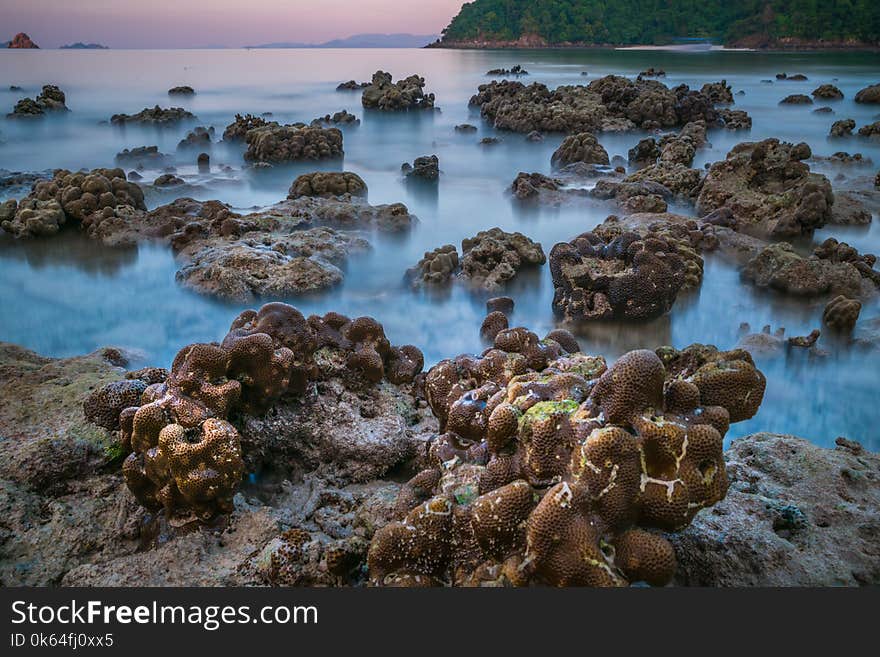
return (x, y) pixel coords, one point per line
(795, 515)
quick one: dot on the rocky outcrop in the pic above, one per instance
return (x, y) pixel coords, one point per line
(842, 128)
(769, 188)
(73, 197)
(869, 95)
(611, 273)
(827, 92)
(795, 515)
(156, 116)
(251, 267)
(236, 130)
(426, 167)
(406, 94)
(611, 103)
(50, 99)
(582, 147)
(831, 269)
(183, 90)
(288, 143)
(327, 183)
(143, 157)
(488, 260)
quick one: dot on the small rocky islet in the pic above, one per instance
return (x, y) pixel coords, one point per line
(276, 451)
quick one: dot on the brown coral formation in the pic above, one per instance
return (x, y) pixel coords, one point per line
(582, 147)
(621, 275)
(493, 257)
(155, 116)
(406, 94)
(275, 143)
(184, 455)
(77, 197)
(608, 103)
(328, 183)
(556, 470)
(769, 188)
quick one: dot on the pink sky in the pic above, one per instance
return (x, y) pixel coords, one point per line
(200, 23)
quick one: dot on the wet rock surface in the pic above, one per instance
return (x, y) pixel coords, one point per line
(155, 116)
(795, 515)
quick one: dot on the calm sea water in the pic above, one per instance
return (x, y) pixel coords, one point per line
(69, 295)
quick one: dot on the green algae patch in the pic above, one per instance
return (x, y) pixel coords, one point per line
(547, 409)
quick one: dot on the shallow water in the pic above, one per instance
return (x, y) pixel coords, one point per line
(69, 295)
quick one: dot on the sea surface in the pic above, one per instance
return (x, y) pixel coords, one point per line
(69, 295)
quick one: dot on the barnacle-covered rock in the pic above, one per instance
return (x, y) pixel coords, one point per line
(287, 143)
(628, 277)
(408, 93)
(327, 183)
(586, 466)
(582, 147)
(769, 189)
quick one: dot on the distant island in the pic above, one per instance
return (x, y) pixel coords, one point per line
(781, 24)
(79, 45)
(21, 40)
(362, 41)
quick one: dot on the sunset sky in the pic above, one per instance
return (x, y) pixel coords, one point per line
(203, 23)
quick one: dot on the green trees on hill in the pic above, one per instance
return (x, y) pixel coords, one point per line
(660, 21)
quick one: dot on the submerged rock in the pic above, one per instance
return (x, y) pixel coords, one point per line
(143, 157)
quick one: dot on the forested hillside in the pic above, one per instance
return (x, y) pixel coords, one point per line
(747, 22)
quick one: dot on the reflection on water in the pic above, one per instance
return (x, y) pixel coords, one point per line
(70, 295)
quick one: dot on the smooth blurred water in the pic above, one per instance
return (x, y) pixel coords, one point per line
(69, 295)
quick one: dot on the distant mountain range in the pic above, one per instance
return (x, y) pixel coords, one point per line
(79, 45)
(362, 41)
